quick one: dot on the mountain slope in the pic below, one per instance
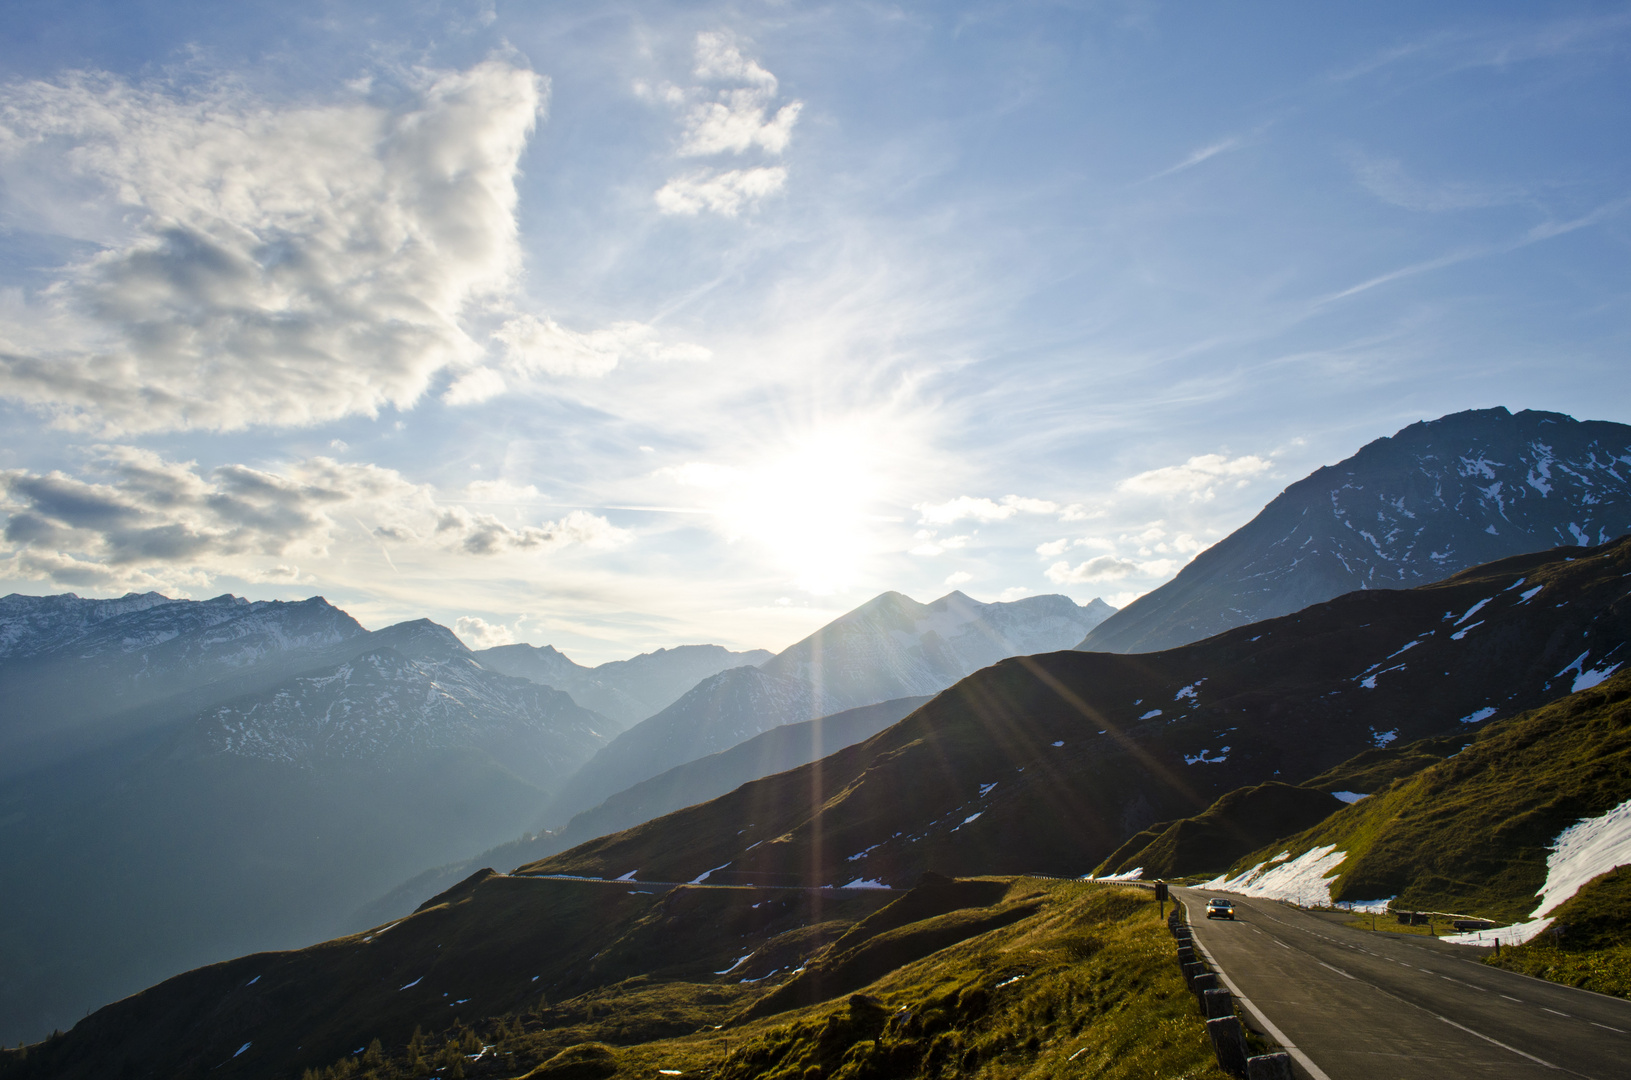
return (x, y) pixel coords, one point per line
(1436, 498)
(573, 980)
(890, 647)
(1471, 833)
(1111, 743)
(776, 750)
(624, 691)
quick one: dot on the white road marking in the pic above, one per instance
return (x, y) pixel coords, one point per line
(1493, 1042)
(1338, 970)
(1554, 1012)
(1509, 997)
(1605, 1027)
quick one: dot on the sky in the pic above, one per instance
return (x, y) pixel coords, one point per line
(619, 326)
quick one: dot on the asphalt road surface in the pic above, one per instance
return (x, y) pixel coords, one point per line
(1357, 1005)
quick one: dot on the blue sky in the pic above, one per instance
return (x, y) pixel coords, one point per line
(618, 326)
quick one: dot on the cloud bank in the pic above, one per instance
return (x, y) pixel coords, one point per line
(266, 264)
(138, 520)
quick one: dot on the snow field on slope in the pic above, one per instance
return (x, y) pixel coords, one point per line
(1302, 881)
(1590, 847)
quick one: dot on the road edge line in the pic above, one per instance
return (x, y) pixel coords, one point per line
(1268, 1025)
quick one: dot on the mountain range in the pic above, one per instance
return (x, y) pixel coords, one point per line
(977, 780)
(185, 780)
(1435, 498)
(890, 647)
(624, 691)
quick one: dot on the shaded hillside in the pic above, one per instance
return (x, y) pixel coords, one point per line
(1436, 498)
(1249, 818)
(1471, 833)
(890, 647)
(625, 691)
(1110, 743)
(1241, 821)
(697, 781)
(505, 976)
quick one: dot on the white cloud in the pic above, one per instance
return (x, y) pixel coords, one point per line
(474, 386)
(1198, 479)
(724, 193)
(260, 263)
(478, 633)
(719, 57)
(734, 119)
(966, 507)
(533, 345)
(137, 520)
(736, 123)
(1100, 568)
(1052, 549)
(958, 578)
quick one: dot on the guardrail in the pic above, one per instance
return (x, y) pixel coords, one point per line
(1217, 1005)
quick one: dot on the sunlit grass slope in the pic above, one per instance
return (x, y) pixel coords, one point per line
(1470, 833)
(992, 978)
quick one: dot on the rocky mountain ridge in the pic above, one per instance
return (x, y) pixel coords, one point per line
(1434, 499)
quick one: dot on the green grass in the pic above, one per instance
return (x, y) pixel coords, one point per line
(1470, 833)
(1079, 980)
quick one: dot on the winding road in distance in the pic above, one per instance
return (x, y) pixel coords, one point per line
(1357, 1005)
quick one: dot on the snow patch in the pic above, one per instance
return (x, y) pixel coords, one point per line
(1060, 743)
(1475, 609)
(1464, 631)
(1349, 796)
(1588, 679)
(1529, 594)
(416, 982)
(1478, 717)
(1151, 715)
(1126, 875)
(1382, 738)
(985, 789)
(1302, 881)
(739, 962)
(704, 876)
(630, 876)
(1203, 758)
(1367, 907)
(242, 1048)
(865, 883)
(1586, 849)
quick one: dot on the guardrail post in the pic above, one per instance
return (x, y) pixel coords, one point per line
(1269, 1067)
(1229, 1044)
(1216, 1003)
(1203, 982)
(1191, 971)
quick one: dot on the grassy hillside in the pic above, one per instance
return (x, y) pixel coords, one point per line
(506, 977)
(1470, 833)
(1115, 743)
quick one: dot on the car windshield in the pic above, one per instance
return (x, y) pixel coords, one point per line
(1220, 903)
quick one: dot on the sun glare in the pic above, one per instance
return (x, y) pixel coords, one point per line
(810, 504)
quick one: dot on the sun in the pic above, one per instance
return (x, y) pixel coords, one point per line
(809, 502)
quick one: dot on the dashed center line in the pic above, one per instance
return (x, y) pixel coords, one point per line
(1554, 1012)
(1509, 997)
(1605, 1027)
